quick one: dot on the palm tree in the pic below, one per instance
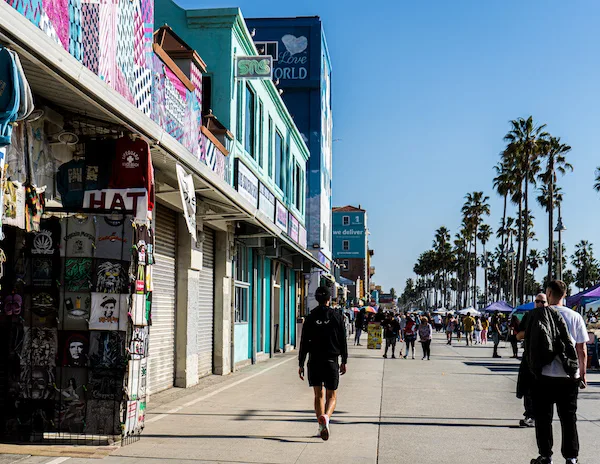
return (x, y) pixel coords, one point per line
(484, 234)
(554, 152)
(473, 211)
(597, 181)
(526, 139)
(443, 250)
(534, 261)
(504, 185)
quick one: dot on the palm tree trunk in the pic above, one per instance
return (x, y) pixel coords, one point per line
(525, 238)
(503, 247)
(475, 276)
(551, 221)
(517, 266)
(485, 285)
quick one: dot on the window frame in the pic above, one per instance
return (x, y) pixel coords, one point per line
(298, 187)
(240, 105)
(345, 220)
(266, 44)
(261, 136)
(250, 121)
(346, 263)
(270, 150)
(280, 177)
(242, 285)
(345, 245)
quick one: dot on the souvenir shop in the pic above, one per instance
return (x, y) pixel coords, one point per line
(77, 272)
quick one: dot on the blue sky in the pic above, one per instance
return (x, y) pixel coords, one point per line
(422, 95)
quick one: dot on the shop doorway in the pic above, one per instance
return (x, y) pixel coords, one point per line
(276, 307)
(206, 317)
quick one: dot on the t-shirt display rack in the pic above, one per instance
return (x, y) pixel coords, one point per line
(76, 324)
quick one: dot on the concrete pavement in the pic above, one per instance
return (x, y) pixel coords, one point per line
(459, 407)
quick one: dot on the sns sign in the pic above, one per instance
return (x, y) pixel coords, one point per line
(254, 67)
(188, 199)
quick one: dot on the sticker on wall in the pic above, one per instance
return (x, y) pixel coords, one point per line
(109, 311)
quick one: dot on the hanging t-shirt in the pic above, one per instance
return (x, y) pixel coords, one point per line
(42, 165)
(15, 155)
(109, 311)
(46, 242)
(75, 310)
(139, 316)
(107, 350)
(114, 238)
(78, 237)
(14, 204)
(111, 276)
(132, 167)
(70, 182)
(78, 274)
(99, 156)
(144, 245)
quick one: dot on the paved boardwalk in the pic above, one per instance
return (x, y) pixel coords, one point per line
(459, 407)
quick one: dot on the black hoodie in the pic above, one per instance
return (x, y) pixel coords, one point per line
(323, 335)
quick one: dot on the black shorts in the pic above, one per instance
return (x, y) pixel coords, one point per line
(324, 372)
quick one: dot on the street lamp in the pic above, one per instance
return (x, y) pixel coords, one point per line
(560, 228)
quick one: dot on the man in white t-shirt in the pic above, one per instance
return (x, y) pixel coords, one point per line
(554, 386)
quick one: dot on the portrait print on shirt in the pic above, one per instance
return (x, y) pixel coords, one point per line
(36, 383)
(74, 346)
(107, 350)
(43, 273)
(78, 237)
(109, 311)
(39, 347)
(110, 276)
(72, 384)
(78, 274)
(114, 237)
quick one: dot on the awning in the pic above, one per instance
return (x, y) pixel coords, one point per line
(343, 281)
(59, 78)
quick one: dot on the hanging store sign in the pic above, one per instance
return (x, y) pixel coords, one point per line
(188, 199)
(302, 237)
(266, 201)
(281, 216)
(134, 200)
(254, 67)
(294, 226)
(246, 183)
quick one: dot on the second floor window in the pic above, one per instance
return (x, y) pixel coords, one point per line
(240, 95)
(270, 149)
(250, 132)
(299, 180)
(345, 220)
(261, 129)
(279, 162)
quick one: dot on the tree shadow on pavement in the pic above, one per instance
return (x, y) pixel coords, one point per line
(246, 437)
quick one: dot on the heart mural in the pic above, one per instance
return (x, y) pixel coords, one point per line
(294, 44)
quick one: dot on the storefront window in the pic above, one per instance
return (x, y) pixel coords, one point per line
(242, 284)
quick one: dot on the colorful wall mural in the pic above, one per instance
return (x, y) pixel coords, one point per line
(113, 39)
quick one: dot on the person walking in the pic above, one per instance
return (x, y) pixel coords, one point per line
(324, 342)
(525, 378)
(437, 320)
(410, 335)
(450, 327)
(560, 380)
(391, 329)
(495, 328)
(478, 329)
(485, 324)
(425, 335)
(359, 323)
(513, 330)
(469, 325)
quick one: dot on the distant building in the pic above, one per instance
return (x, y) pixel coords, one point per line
(302, 71)
(351, 247)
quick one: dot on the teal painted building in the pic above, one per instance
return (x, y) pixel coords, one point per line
(268, 159)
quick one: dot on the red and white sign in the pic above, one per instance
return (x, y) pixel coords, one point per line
(134, 200)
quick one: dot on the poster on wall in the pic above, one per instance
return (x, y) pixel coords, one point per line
(281, 216)
(188, 199)
(302, 237)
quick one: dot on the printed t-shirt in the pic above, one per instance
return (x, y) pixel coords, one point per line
(99, 156)
(109, 312)
(114, 238)
(132, 167)
(78, 237)
(70, 182)
(469, 324)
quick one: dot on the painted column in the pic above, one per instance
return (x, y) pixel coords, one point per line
(223, 323)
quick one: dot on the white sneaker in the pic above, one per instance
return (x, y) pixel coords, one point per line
(324, 427)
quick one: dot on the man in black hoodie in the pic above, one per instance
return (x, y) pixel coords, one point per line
(324, 341)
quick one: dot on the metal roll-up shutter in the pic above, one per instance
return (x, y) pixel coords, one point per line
(161, 369)
(206, 304)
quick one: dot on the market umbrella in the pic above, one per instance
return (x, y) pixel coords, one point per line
(526, 307)
(501, 306)
(370, 309)
(587, 293)
(473, 311)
